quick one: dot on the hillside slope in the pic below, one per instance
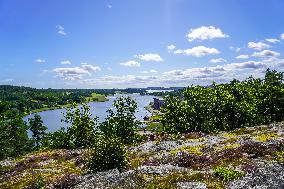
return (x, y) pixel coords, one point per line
(243, 158)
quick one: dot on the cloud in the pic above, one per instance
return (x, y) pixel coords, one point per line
(282, 36)
(109, 6)
(75, 73)
(258, 46)
(236, 49)
(9, 80)
(144, 72)
(185, 77)
(61, 30)
(204, 33)
(90, 68)
(40, 61)
(272, 40)
(130, 63)
(153, 71)
(266, 53)
(214, 73)
(150, 57)
(218, 60)
(242, 56)
(198, 51)
(245, 65)
(150, 71)
(171, 48)
(65, 62)
(129, 80)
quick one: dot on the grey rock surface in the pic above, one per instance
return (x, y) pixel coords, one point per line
(191, 185)
(270, 176)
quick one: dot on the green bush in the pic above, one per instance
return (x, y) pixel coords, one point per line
(107, 153)
(227, 174)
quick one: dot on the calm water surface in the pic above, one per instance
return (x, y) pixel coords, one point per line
(52, 118)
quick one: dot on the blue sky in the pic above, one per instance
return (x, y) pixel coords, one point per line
(138, 43)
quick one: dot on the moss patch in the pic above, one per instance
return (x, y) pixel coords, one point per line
(267, 136)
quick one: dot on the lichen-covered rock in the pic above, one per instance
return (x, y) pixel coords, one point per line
(107, 179)
(161, 170)
(269, 176)
(191, 185)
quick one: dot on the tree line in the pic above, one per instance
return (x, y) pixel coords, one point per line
(27, 99)
(226, 106)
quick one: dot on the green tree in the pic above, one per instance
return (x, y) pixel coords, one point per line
(57, 140)
(83, 127)
(38, 130)
(122, 122)
(226, 106)
(14, 139)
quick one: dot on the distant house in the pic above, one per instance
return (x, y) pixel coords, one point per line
(158, 103)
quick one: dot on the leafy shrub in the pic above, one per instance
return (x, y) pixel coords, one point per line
(227, 174)
(107, 153)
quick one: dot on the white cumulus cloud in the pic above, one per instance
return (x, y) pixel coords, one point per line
(171, 48)
(242, 56)
(130, 63)
(150, 71)
(61, 30)
(266, 53)
(218, 60)
(198, 51)
(153, 71)
(65, 62)
(258, 45)
(40, 61)
(150, 57)
(272, 40)
(236, 49)
(204, 32)
(76, 73)
(282, 36)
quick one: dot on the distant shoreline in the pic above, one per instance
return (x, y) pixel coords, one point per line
(94, 98)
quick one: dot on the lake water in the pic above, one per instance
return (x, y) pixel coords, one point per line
(52, 118)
